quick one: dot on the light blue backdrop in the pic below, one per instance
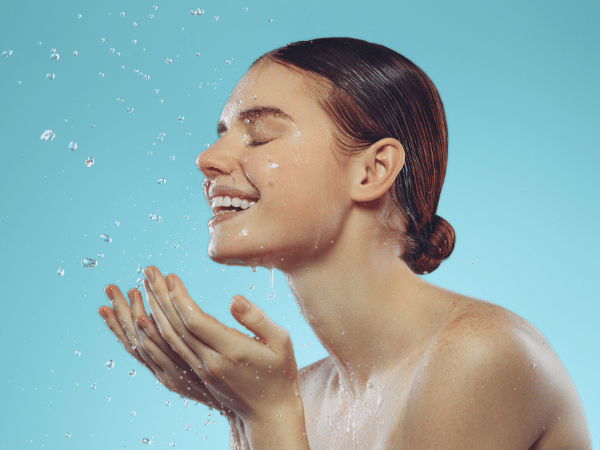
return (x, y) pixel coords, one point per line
(519, 82)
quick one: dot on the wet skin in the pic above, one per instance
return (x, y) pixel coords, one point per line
(410, 365)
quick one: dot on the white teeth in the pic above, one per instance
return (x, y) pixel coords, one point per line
(226, 201)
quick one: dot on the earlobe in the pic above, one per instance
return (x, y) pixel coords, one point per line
(375, 169)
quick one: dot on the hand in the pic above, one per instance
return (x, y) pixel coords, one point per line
(140, 336)
(253, 377)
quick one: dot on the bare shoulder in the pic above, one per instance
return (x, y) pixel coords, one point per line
(491, 380)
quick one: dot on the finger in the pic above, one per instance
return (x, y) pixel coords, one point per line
(123, 313)
(202, 328)
(115, 326)
(192, 356)
(151, 330)
(255, 320)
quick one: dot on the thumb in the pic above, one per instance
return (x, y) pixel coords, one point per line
(255, 320)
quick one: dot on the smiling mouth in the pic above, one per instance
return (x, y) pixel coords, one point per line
(223, 205)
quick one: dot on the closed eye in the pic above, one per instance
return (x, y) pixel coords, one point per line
(257, 143)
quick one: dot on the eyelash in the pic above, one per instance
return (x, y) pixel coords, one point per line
(258, 143)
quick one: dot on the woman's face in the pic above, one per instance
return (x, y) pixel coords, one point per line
(276, 149)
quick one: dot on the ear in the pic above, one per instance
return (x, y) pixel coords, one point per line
(375, 169)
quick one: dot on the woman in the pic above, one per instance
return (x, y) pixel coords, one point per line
(329, 167)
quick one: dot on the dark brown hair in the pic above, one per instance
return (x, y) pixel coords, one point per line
(372, 92)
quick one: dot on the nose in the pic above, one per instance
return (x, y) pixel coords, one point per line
(215, 161)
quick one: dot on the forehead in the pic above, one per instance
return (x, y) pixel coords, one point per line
(274, 85)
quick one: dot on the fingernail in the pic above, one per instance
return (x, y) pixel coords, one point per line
(241, 305)
(170, 282)
(149, 274)
(108, 293)
(130, 295)
(102, 314)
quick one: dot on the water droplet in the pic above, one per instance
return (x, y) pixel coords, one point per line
(168, 60)
(87, 262)
(251, 286)
(132, 373)
(133, 413)
(105, 238)
(72, 146)
(50, 76)
(156, 91)
(216, 18)
(151, 16)
(245, 9)
(117, 223)
(47, 135)
(89, 161)
(187, 426)
(147, 77)
(93, 386)
(161, 181)
(253, 268)
(68, 435)
(160, 101)
(200, 12)
(167, 403)
(60, 272)
(172, 444)
(108, 398)
(370, 385)
(100, 255)
(77, 353)
(155, 7)
(146, 441)
(134, 41)
(53, 50)
(198, 54)
(173, 158)
(227, 62)
(181, 118)
(75, 53)
(149, 153)
(7, 53)
(192, 12)
(270, 20)
(102, 40)
(206, 422)
(101, 74)
(110, 364)
(112, 50)
(54, 56)
(139, 269)
(129, 109)
(533, 366)
(186, 217)
(92, 126)
(134, 24)
(161, 136)
(122, 14)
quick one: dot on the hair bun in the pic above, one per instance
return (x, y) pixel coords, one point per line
(436, 242)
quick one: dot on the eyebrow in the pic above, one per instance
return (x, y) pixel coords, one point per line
(257, 112)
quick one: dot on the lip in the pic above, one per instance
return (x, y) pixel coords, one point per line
(217, 219)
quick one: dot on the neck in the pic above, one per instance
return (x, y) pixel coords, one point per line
(364, 304)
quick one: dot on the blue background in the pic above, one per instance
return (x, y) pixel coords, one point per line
(519, 83)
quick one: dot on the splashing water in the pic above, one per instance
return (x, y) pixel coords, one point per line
(88, 262)
(47, 135)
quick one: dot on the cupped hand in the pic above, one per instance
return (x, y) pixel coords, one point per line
(253, 377)
(139, 335)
